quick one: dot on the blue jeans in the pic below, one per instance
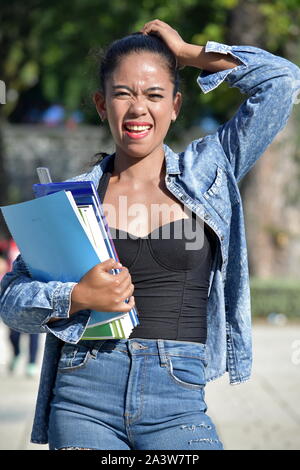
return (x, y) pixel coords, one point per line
(131, 394)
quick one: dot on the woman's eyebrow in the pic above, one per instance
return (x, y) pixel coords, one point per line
(152, 88)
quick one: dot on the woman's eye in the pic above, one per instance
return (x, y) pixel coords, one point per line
(125, 94)
(155, 96)
(122, 93)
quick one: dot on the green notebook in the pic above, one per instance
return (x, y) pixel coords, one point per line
(111, 330)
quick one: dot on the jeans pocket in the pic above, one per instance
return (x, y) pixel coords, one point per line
(188, 372)
(73, 357)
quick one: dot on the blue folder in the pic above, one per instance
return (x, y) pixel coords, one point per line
(53, 242)
(85, 193)
(50, 238)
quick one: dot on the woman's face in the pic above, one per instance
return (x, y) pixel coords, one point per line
(139, 104)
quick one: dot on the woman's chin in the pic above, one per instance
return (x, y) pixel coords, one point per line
(138, 151)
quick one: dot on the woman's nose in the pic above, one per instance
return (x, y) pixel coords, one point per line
(138, 106)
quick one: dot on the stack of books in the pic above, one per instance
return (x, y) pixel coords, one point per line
(61, 235)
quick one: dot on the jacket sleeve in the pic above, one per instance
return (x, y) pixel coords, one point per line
(271, 83)
(27, 305)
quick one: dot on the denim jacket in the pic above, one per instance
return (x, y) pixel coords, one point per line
(204, 177)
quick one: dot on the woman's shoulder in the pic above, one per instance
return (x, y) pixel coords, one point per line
(94, 173)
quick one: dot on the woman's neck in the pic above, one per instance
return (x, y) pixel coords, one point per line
(148, 169)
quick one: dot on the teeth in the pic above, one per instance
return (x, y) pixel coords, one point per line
(138, 128)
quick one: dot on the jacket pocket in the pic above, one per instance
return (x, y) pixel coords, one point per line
(222, 195)
(73, 357)
(187, 372)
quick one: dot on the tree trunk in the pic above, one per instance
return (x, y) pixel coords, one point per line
(246, 25)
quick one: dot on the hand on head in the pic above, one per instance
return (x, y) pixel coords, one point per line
(169, 35)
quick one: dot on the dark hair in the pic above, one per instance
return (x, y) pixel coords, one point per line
(137, 42)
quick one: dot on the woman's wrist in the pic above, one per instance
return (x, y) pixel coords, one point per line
(189, 55)
(76, 300)
(192, 55)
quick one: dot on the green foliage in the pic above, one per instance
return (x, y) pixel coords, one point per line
(282, 21)
(275, 295)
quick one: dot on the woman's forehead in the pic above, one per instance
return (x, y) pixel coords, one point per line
(141, 67)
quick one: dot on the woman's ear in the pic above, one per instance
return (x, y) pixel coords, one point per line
(99, 101)
(176, 106)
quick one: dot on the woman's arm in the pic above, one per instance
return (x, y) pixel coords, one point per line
(195, 56)
(62, 308)
(189, 54)
(270, 81)
(27, 305)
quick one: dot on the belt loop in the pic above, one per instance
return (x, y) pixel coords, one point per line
(162, 353)
(95, 347)
(94, 352)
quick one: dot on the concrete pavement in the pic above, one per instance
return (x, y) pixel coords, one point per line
(261, 414)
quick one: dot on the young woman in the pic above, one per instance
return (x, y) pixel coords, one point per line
(147, 392)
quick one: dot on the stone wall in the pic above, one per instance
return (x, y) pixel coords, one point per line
(66, 152)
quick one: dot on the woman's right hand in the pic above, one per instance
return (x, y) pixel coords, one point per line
(102, 291)
(170, 36)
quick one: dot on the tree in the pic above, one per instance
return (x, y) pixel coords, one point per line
(49, 42)
(16, 66)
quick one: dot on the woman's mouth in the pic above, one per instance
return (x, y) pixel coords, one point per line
(137, 130)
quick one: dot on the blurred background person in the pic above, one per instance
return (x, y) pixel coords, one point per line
(15, 341)
(8, 253)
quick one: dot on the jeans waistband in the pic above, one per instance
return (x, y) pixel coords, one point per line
(141, 346)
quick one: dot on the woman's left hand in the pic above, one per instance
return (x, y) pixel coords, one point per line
(169, 35)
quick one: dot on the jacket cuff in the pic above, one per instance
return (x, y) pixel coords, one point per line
(69, 330)
(61, 301)
(210, 80)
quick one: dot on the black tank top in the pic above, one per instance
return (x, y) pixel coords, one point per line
(171, 282)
